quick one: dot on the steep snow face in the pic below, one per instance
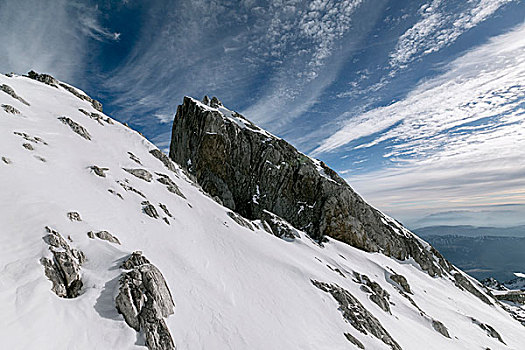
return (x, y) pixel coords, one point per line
(234, 285)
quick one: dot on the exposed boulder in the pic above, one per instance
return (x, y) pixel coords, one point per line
(9, 90)
(279, 227)
(252, 171)
(99, 171)
(144, 300)
(10, 109)
(64, 269)
(28, 146)
(140, 173)
(6, 160)
(240, 220)
(77, 128)
(129, 188)
(170, 185)
(74, 216)
(356, 314)
(149, 209)
(134, 158)
(440, 328)
(104, 235)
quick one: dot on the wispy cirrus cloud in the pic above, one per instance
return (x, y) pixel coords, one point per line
(49, 36)
(440, 24)
(456, 140)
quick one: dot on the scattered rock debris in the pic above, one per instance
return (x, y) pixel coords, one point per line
(74, 216)
(77, 128)
(140, 173)
(99, 171)
(11, 92)
(104, 235)
(10, 109)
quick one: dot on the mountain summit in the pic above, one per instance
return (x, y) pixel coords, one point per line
(241, 242)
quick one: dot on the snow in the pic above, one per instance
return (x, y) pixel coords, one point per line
(519, 274)
(233, 288)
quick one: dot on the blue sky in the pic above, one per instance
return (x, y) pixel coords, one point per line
(418, 104)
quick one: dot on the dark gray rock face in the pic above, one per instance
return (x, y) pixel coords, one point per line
(140, 173)
(240, 220)
(144, 300)
(252, 172)
(10, 109)
(11, 92)
(64, 270)
(354, 340)
(77, 128)
(149, 210)
(279, 227)
(463, 283)
(356, 314)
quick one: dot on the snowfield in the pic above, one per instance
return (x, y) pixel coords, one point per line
(233, 287)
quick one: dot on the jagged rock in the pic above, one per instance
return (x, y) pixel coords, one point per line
(29, 138)
(129, 188)
(165, 209)
(104, 235)
(28, 146)
(97, 105)
(491, 332)
(279, 227)
(440, 328)
(493, 283)
(74, 216)
(9, 90)
(164, 159)
(10, 109)
(170, 185)
(206, 100)
(6, 160)
(233, 159)
(140, 173)
(134, 158)
(77, 128)
(356, 314)
(115, 193)
(149, 209)
(377, 294)
(401, 282)
(463, 283)
(240, 220)
(99, 118)
(44, 78)
(354, 340)
(215, 103)
(144, 299)
(64, 270)
(99, 171)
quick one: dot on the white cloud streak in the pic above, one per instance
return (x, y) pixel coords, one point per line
(457, 140)
(48, 36)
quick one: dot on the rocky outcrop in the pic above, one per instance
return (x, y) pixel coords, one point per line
(402, 282)
(43, 78)
(144, 300)
(140, 173)
(134, 158)
(164, 159)
(170, 185)
(252, 171)
(6, 160)
(491, 332)
(10, 109)
(77, 128)
(514, 296)
(463, 283)
(11, 92)
(64, 269)
(28, 146)
(440, 328)
(356, 314)
(99, 171)
(96, 104)
(149, 210)
(103, 235)
(74, 216)
(33, 139)
(377, 294)
(129, 188)
(97, 117)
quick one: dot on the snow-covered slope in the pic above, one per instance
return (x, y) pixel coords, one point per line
(234, 285)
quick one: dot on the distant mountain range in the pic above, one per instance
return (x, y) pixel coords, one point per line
(482, 252)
